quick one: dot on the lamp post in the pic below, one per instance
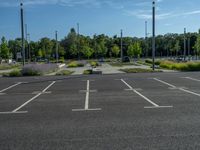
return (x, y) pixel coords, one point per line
(184, 44)
(122, 45)
(56, 46)
(153, 35)
(22, 34)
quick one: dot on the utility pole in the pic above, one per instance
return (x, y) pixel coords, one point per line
(29, 50)
(189, 47)
(56, 46)
(78, 41)
(22, 34)
(146, 34)
(122, 45)
(153, 36)
(26, 38)
(184, 44)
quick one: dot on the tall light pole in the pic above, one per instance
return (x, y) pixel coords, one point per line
(122, 45)
(22, 34)
(56, 46)
(26, 40)
(184, 54)
(78, 41)
(29, 50)
(189, 47)
(146, 34)
(153, 36)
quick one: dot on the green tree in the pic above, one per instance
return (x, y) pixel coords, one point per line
(134, 50)
(197, 45)
(87, 51)
(115, 50)
(4, 50)
(177, 47)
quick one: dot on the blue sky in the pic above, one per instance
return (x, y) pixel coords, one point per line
(43, 17)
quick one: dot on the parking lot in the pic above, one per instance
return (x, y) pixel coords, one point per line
(101, 112)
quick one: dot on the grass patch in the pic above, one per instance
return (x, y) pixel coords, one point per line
(138, 70)
(75, 64)
(187, 66)
(119, 64)
(86, 72)
(64, 73)
(14, 73)
(7, 67)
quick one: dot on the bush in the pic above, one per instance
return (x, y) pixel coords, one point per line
(64, 73)
(38, 69)
(137, 70)
(148, 61)
(94, 63)
(188, 66)
(75, 64)
(87, 71)
(14, 73)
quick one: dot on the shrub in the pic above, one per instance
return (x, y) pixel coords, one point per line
(75, 64)
(38, 69)
(137, 70)
(188, 66)
(14, 73)
(87, 71)
(94, 64)
(64, 73)
(5, 67)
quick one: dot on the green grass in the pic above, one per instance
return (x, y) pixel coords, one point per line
(184, 66)
(75, 64)
(14, 73)
(138, 70)
(119, 64)
(64, 73)
(7, 67)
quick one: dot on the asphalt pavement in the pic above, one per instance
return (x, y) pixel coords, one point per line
(147, 111)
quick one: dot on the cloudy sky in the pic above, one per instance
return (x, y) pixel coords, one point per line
(43, 17)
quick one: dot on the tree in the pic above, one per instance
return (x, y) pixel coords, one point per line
(134, 50)
(115, 50)
(4, 50)
(197, 45)
(87, 51)
(177, 47)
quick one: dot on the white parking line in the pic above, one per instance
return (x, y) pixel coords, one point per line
(33, 98)
(173, 86)
(17, 112)
(144, 97)
(191, 79)
(12, 86)
(87, 100)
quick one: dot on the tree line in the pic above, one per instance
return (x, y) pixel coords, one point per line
(75, 46)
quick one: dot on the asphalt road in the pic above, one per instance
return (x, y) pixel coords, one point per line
(151, 111)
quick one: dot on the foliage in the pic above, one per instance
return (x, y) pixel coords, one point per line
(94, 63)
(134, 50)
(74, 64)
(87, 72)
(188, 66)
(115, 50)
(4, 49)
(64, 73)
(38, 69)
(6, 67)
(137, 70)
(14, 73)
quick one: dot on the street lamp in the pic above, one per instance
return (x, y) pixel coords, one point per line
(153, 35)
(22, 33)
(56, 46)
(122, 45)
(184, 44)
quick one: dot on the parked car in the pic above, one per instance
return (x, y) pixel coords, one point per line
(126, 59)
